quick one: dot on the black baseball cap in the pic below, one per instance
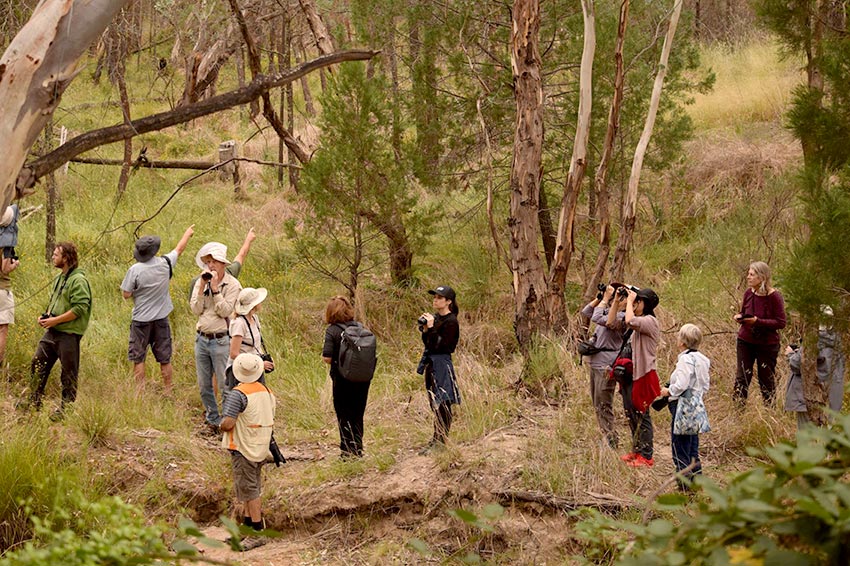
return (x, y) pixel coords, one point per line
(443, 291)
(649, 297)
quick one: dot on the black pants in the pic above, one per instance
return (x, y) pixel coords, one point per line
(764, 356)
(350, 405)
(55, 345)
(639, 423)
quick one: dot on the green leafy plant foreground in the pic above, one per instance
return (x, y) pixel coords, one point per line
(793, 510)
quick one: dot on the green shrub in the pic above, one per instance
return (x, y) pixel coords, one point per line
(795, 509)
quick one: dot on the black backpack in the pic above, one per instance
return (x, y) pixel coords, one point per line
(357, 353)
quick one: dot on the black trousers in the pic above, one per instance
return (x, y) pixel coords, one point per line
(55, 345)
(639, 423)
(350, 405)
(764, 356)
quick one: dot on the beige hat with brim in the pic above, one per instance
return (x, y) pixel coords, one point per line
(250, 298)
(217, 250)
(247, 368)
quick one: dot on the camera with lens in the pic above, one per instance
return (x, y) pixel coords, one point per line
(267, 358)
(206, 276)
(422, 321)
(10, 253)
(44, 315)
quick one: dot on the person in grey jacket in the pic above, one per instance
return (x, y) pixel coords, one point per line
(830, 372)
(608, 335)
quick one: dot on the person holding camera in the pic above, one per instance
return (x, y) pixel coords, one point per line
(64, 322)
(690, 378)
(234, 267)
(761, 318)
(147, 282)
(8, 264)
(349, 397)
(608, 339)
(440, 335)
(245, 336)
(213, 301)
(639, 391)
(248, 423)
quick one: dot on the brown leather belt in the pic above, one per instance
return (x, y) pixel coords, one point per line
(212, 335)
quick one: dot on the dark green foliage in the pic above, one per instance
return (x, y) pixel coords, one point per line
(792, 510)
(357, 188)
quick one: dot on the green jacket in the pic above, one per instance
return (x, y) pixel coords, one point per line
(71, 293)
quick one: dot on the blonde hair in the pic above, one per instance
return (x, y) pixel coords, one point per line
(690, 336)
(761, 269)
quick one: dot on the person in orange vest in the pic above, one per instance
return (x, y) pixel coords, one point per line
(248, 422)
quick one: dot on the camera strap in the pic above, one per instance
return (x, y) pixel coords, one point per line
(262, 349)
(54, 295)
(627, 335)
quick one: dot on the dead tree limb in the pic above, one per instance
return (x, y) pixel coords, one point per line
(604, 504)
(31, 172)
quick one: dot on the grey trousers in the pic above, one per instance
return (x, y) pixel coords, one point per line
(602, 394)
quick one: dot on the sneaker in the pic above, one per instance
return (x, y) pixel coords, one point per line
(252, 542)
(640, 462)
(628, 457)
(432, 446)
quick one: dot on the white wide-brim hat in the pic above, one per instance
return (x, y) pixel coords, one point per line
(217, 250)
(247, 368)
(250, 298)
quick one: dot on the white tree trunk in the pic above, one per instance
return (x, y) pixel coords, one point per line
(630, 204)
(578, 165)
(36, 69)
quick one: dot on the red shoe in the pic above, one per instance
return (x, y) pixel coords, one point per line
(628, 457)
(640, 462)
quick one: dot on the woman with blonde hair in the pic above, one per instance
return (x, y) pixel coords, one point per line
(761, 317)
(349, 396)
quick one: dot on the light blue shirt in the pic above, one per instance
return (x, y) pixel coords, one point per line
(148, 282)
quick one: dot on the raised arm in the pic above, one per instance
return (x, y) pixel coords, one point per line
(184, 240)
(246, 246)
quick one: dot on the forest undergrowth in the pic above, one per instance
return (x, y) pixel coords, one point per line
(514, 439)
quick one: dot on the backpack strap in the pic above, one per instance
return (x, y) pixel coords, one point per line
(170, 270)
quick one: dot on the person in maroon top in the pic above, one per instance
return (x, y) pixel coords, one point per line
(762, 316)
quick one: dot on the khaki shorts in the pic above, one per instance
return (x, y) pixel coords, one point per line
(7, 307)
(246, 477)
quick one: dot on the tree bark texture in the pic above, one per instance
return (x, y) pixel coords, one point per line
(624, 242)
(324, 42)
(529, 279)
(35, 70)
(274, 120)
(565, 243)
(601, 177)
(815, 393)
(51, 202)
(95, 138)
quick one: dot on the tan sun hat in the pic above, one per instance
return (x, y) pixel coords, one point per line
(247, 368)
(250, 298)
(217, 250)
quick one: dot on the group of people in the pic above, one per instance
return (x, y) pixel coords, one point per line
(625, 339)
(230, 355)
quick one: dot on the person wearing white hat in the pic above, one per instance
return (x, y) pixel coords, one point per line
(245, 335)
(213, 301)
(234, 267)
(248, 423)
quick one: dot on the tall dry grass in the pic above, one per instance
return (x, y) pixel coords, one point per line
(753, 85)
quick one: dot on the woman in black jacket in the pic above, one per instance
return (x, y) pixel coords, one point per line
(349, 396)
(440, 334)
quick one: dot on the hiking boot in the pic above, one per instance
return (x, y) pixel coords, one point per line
(628, 457)
(640, 462)
(252, 542)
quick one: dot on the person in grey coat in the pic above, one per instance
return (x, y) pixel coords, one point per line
(830, 372)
